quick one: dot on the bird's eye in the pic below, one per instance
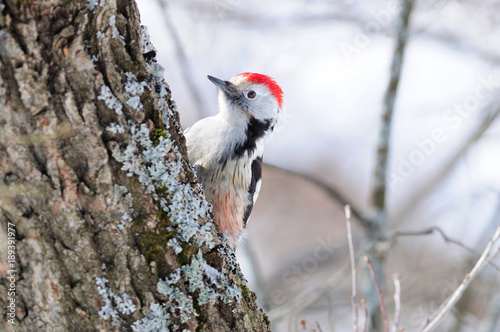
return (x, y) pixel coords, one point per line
(251, 94)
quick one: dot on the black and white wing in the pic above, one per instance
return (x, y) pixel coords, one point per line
(253, 190)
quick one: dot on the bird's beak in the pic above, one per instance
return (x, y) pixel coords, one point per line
(223, 85)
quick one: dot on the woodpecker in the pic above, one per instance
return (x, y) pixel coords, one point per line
(226, 150)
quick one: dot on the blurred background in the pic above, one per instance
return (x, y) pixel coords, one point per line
(332, 60)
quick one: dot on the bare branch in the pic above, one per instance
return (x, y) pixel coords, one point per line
(431, 230)
(332, 192)
(397, 302)
(354, 302)
(293, 323)
(445, 237)
(379, 291)
(485, 258)
(183, 61)
(377, 230)
(363, 304)
(380, 175)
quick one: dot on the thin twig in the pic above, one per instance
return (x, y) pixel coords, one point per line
(331, 319)
(377, 230)
(431, 230)
(397, 302)
(365, 309)
(354, 302)
(332, 192)
(346, 15)
(379, 291)
(293, 323)
(445, 237)
(183, 61)
(487, 255)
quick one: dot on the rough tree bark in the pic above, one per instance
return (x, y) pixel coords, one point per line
(106, 221)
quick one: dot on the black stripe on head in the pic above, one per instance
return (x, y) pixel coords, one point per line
(256, 177)
(256, 129)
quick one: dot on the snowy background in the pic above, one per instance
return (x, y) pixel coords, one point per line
(332, 60)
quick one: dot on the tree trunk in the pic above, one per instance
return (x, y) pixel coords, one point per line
(103, 223)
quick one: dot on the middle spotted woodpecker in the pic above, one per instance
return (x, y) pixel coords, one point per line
(226, 149)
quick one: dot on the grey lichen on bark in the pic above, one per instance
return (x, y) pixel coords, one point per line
(112, 229)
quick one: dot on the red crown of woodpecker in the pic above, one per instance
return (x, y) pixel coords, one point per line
(269, 82)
